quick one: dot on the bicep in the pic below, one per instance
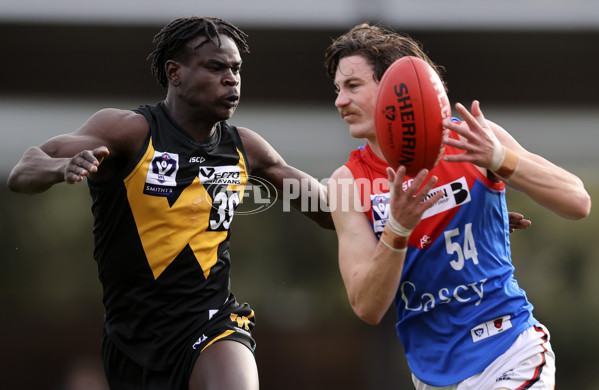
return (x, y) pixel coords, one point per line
(261, 155)
(68, 145)
(121, 131)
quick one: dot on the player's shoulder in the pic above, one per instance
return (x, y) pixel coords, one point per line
(114, 118)
(248, 135)
(122, 131)
(343, 172)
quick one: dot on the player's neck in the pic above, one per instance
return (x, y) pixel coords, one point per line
(374, 146)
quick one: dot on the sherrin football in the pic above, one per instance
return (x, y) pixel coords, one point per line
(410, 107)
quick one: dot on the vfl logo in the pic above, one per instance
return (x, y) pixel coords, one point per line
(162, 173)
(163, 167)
(389, 112)
(490, 328)
(380, 211)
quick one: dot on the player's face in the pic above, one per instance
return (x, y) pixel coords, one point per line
(211, 79)
(356, 95)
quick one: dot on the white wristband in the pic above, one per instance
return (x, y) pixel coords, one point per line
(498, 157)
(397, 228)
(396, 250)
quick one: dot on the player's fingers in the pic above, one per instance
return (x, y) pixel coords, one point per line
(100, 153)
(428, 186)
(522, 224)
(475, 109)
(473, 122)
(417, 182)
(390, 175)
(424, 195)
(478, 114)
(397, 183)
(458, 143)
(84, 162)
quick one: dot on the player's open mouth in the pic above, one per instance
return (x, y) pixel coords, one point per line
(231, 100)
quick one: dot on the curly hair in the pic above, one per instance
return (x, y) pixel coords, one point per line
(172, 39)
(379, 45)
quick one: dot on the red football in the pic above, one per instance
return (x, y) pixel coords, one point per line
(410, 108)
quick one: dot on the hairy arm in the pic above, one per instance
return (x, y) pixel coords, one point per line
(268, 164)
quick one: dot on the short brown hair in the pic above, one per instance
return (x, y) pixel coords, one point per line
(379, 45)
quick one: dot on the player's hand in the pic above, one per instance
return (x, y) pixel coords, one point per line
(84, 163)
(477, 139)
(407, 206)
(517, 221)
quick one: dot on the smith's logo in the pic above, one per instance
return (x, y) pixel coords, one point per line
(162, 174)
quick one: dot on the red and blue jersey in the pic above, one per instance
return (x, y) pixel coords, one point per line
(458, 304)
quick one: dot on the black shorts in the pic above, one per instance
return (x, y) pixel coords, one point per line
(233, 322)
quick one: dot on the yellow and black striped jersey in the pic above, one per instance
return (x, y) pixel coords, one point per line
(161, 231)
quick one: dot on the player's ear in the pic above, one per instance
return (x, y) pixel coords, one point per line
(172, 68)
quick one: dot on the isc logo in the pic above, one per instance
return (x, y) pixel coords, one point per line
(197, 159)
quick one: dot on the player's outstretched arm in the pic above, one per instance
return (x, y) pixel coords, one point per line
(37, 171)
(489, 146)
(268, 164)
(106, 135)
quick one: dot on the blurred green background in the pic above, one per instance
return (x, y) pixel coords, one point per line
(285, 266)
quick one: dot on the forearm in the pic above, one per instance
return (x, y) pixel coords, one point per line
(36, 172)
(550, 186)
(301, 191)
(312, 201)
(371, 291)
(489, 146)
